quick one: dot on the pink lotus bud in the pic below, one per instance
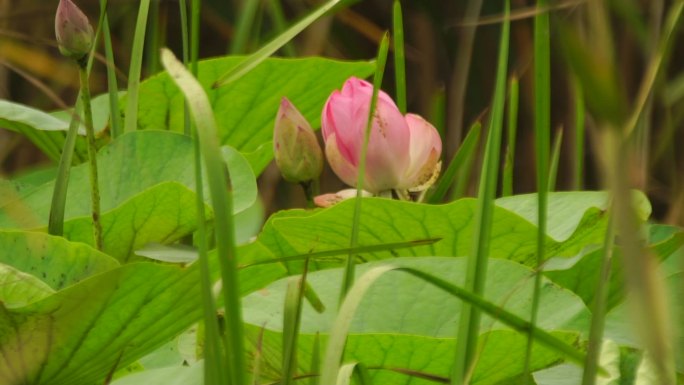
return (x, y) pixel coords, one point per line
(297, 152)
(73, 31)
(344, 123)
(426, 148)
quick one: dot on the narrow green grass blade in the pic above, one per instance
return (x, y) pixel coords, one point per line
(340, 328)
(542, 131)
(555, 159)
(348, 279)
(195, 35)
(56, 219)
(278, 17)
(578, 164)
(469, 324)
(315, 367)
(214, 369)
(185, 41)
(672, 23)
(598, 311)
(131, 122)
(267, 50)
(218, 177)
(399, 56)
(292, 316)
(245, 21)
(509, 162)
(112, 84)
(458, 163)
(352, 250)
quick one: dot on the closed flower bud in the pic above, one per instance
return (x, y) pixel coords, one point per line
(73, 31)
(297, 152)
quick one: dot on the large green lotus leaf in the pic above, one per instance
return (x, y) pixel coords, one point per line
(180, 375)
(405, 322)
(54, 260)
(18, 288)
(582, 276)
(245, 110)
(47, 131)
(130, 166)
(567, 209)
(160, 214)
(384, 221)
(79, 334)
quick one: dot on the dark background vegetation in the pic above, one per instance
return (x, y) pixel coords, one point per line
(32, 72)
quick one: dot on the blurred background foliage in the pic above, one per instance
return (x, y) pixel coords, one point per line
(448, 82)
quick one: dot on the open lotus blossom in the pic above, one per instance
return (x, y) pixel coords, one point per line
(403, 151)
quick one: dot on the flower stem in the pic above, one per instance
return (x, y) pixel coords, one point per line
(92, 152)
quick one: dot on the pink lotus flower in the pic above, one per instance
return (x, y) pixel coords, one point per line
(401, 150)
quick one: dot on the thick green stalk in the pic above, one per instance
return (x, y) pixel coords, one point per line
(542, 128)
(348, 279)
(92, 156)
(469, 323)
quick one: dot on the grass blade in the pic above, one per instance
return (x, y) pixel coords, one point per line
(542, 133)
(469, 324)
(578, 164)
(246, 17)
(351, 250)
(555, 159)
(278, 17)
(131, 122)
(509, 162)
(458, 163)
(348, 280)
(292, 316)
(598, 311)
(399, 56)
(267, 50)
(218, 177)
(315, 367)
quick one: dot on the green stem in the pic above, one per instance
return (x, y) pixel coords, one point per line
(399, 56)
(92, 156)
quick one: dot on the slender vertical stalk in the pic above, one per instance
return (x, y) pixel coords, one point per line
(112, 85)
(469, 323)
(185, 39)
(131, 122)
(348, 279)
(598, 311)
(215, 372)
(542, 128)
(555, 159)
(195, 35)
(578, 165)
(459, 78)
(278, 17)
(92, 156)
(399, 56)
(244, 25)
(513, 93)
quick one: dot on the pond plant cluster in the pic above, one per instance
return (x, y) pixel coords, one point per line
(142, 257)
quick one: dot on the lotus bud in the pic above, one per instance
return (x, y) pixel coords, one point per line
(297, 152)
(73, 31)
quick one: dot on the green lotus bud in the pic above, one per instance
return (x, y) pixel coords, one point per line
(73, 31)
(297, 152)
